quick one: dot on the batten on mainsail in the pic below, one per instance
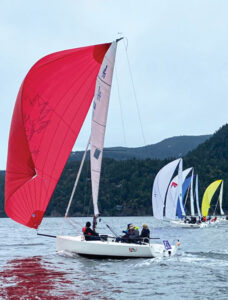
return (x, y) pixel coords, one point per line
(50, 109)
(160, 186)
(99, 119)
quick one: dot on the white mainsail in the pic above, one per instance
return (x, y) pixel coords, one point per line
(174, 193)
(191, 196)
(99, 119)
(197, 196)
(160, 186)
(220, 199)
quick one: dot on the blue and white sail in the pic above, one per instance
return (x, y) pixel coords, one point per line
(175, 194)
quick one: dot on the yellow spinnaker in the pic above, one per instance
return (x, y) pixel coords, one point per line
(207, 196)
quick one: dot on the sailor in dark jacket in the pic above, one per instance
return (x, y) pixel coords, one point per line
(145, 233)
(90, 235)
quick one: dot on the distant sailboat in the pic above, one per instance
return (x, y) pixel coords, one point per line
(51, 107)
(177, 201)
(208, 195)
(173, 195)
(160, 187)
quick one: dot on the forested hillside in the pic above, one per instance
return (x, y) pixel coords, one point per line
(125, 187)
(172, 147)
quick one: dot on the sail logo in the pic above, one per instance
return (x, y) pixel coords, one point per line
(173, 184)
(132, 250)
(99, 93)
(104, 73)
(97, 153)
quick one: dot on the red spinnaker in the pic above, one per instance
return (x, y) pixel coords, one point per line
(50, 109)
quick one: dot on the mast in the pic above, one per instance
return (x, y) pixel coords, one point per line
(180, 182)
(197, 196)
(191, 195)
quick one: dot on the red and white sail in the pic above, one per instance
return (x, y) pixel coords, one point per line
(160, 186)
(50, 109)
(174, 191)
(99, 119)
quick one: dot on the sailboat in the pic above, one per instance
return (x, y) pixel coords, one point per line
(159, 191)
(208, 195)
(183, 220)
(167, 195)
(50, 109)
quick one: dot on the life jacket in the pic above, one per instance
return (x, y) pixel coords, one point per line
(84, 230)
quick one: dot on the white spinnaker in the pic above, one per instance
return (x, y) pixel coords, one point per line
(220, 199)
(99, 119)
(161, 183)
(191, 196)
(173, 195)
(197, 196)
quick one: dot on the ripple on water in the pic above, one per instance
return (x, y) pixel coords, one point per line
(30, 267)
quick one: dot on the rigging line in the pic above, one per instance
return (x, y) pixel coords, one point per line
(134, 92)
(77, 179)
(75, 183)
(121, 110)
(73, 223)
(216, 207)
(86, 187)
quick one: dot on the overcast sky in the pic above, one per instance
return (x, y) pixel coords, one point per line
(178, 52)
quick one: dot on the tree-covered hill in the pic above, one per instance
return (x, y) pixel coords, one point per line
(172, 147)
(125, 187)
(210, 161)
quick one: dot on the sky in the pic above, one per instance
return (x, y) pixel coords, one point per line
(178, 54)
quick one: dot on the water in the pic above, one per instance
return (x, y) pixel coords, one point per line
(31, 269)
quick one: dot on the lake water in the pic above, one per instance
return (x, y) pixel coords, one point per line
(30, 268)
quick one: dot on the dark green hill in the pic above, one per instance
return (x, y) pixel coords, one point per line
(210, 161)
(172, 147)
(125, 187)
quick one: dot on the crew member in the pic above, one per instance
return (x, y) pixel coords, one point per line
(90, 235)
(145, 233)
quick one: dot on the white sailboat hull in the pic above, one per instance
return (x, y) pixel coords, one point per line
(107, 249)
(188, 225)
